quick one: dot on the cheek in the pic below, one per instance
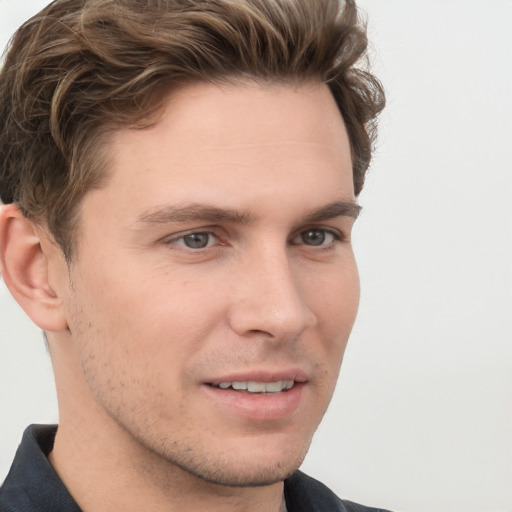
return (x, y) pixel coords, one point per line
(146, 325)
(336, 304)
(335, 298)
(126, 348)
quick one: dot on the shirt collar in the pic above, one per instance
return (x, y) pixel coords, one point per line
(32, 483)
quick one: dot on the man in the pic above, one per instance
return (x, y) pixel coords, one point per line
(179, 181)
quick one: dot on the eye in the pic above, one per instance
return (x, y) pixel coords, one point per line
(316, 237)
(199, 240)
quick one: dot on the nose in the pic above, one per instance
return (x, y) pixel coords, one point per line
(269, 299)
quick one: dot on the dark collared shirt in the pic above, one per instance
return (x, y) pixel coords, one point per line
(32, 484)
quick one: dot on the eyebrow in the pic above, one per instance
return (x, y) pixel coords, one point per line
(206, 213)
(193, 212)
(333, 210)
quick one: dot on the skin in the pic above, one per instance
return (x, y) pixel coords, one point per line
(143, 325)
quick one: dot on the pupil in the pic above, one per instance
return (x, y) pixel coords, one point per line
(314, 237)
(196, 240)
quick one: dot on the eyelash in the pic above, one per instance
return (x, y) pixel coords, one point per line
(336, 235)
(175, 240)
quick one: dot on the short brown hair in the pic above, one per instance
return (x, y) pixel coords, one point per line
(80, 68)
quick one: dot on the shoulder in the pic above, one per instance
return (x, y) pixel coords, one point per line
(305, 494)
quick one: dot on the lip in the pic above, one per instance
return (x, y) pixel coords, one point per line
(294, 374)
(258, 407)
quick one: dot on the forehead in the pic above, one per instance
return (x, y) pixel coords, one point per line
(231, 143)
(246, 113)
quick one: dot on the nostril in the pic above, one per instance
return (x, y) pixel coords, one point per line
(259, 332)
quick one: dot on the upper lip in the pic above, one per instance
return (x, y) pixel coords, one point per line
(295, 374)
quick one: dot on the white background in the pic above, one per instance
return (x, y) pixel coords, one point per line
(422, 417)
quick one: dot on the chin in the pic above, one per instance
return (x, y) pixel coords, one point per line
(249, 469)
(246, 477)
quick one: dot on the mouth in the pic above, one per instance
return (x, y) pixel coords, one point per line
(259, 396)
(251, 386)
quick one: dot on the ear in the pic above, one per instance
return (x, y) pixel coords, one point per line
(24, 268)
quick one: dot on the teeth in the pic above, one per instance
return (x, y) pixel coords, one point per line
(256, 387)
(274, 387)
(259, 387)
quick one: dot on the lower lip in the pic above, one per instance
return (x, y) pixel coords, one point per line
(258, 406)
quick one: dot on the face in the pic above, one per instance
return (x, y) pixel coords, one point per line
(214, 286)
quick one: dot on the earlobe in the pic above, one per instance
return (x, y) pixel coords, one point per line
(25, 270)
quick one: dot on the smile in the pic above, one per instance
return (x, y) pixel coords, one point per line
(259, 400)
(258, 387)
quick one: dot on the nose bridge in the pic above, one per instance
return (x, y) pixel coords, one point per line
(270, 298)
